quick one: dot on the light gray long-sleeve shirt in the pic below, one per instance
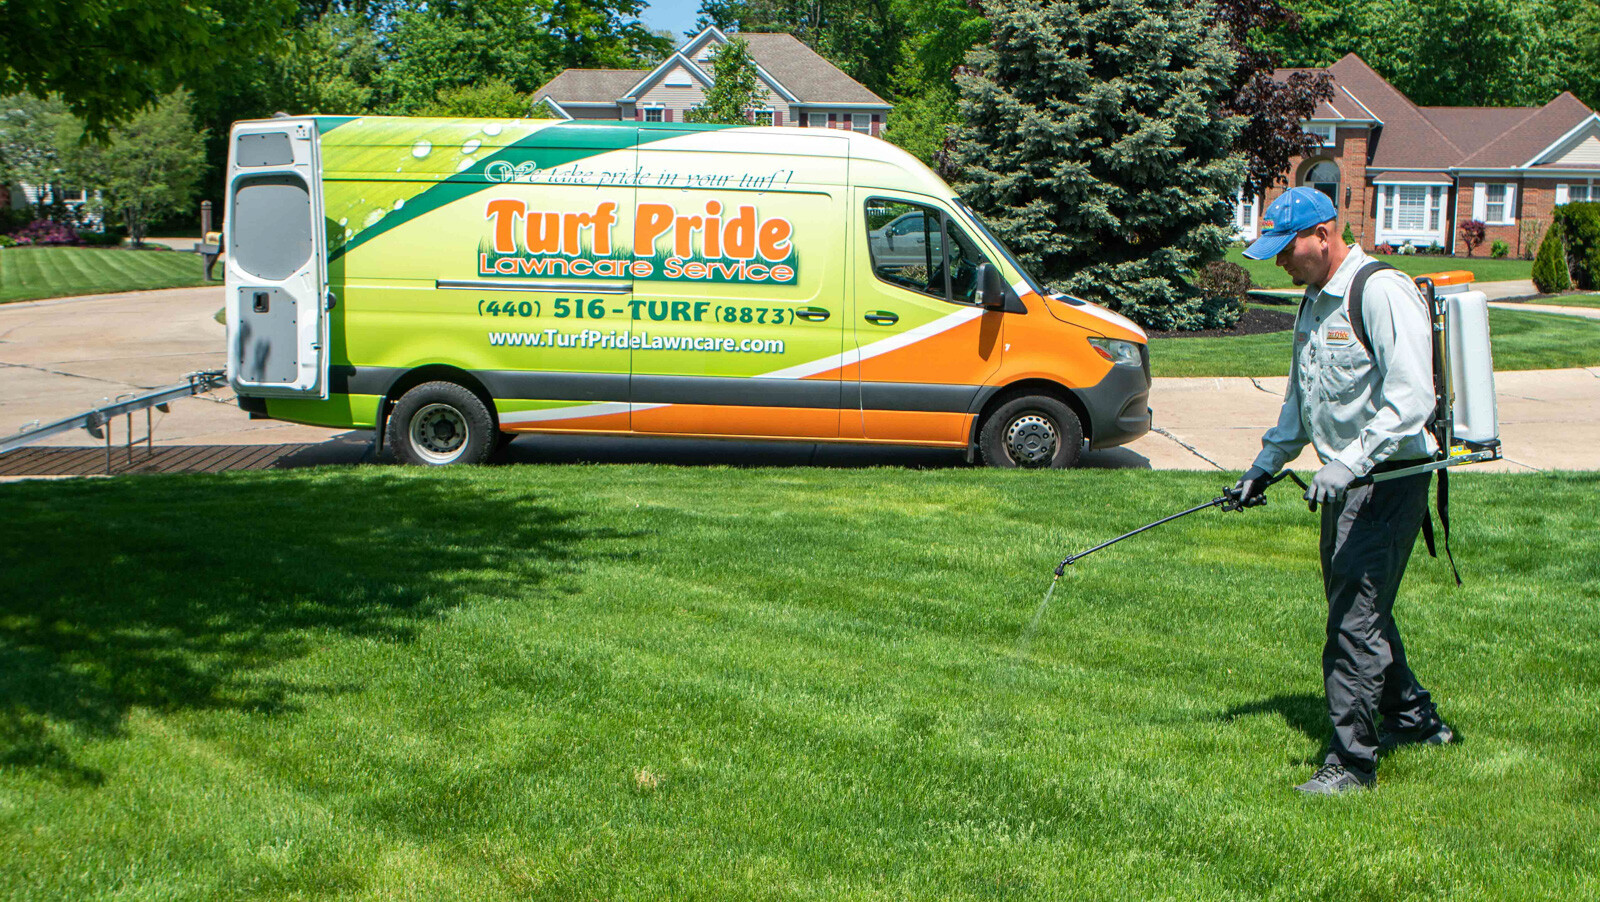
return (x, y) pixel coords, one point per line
(1352, 407)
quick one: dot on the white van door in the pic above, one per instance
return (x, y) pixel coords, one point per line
(276, 281)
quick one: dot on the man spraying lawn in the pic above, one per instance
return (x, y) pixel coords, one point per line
(1363, 402)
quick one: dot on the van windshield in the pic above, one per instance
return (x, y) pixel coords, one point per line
(1005, 251)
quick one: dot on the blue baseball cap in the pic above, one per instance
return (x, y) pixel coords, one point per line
(1296, 209)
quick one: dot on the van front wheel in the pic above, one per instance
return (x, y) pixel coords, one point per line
(440, 423)
(1033, 431)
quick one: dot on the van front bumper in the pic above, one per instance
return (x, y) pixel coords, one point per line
(1118, 405)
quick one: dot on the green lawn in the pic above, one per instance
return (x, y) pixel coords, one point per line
(1266, 274)
(32, 273)
(1521, 340)
(594, 682)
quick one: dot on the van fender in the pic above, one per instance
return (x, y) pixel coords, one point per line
(403, 381)
(991, 397)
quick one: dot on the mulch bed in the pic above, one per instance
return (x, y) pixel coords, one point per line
(1254, 322)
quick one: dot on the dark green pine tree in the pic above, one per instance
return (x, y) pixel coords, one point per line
(1096, 142)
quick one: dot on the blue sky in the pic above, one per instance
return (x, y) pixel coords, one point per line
(676, 16)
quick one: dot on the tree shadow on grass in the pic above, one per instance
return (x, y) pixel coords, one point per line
(175, 593)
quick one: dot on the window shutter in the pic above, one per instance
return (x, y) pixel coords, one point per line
(1480, 201)
(1561, 194)
(832, 118)
(638, 114)
(777, 117)
(876, 120)
(666, 115)
(1511, 200)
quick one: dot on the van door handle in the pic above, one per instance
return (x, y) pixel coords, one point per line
(811, 314)
(881, 317)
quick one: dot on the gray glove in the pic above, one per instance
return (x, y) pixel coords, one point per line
(1330, 484)
(1250, 487)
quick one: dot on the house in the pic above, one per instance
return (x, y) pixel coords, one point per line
(799, 87)
(1402, 173)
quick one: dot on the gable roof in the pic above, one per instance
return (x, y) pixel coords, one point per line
(1409, 140)
(1438, 139)
(807, 75)
(1520, 144)
(590, 85)
(788, 66)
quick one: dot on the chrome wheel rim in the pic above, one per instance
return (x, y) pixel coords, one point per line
(1031, 440)
(438, 433)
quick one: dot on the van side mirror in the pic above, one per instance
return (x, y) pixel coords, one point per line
(993, 292)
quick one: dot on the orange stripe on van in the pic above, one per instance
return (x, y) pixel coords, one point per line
(728, 419)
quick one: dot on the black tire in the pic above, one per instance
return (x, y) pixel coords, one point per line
(441, 423)
(1033, 431)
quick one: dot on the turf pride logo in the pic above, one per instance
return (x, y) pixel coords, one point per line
(715, 244)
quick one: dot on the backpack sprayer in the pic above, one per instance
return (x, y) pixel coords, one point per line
(1465, 421)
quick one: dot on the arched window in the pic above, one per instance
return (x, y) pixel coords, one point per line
(1325, 178)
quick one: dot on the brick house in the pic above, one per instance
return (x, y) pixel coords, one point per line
(1402, 173)
(800, 87)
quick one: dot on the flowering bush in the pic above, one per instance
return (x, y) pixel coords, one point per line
(1383, 249)
(46, 232)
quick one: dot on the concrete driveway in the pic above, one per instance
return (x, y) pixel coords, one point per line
(63, 356)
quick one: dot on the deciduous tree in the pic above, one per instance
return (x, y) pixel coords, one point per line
(735, 87)
(109, 58)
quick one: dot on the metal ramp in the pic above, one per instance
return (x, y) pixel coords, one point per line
(99, 421)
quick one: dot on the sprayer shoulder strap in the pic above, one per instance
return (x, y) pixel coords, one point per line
(1355, 297)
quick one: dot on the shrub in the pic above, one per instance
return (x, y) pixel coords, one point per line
(1349, 234)
(1580, 230)
(1383, 249)
(111, 237)
(1499, 249)
(47, 232)
(1550, 266)
(1472, 234)
(1223, 286)
(7, 241)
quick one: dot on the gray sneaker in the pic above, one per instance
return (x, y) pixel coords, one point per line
(1436, 733)
(1332, 779)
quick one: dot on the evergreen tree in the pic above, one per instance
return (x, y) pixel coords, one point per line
(734, 90)
(1550, 273)
(1097, 144)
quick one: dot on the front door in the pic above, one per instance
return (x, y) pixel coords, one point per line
(925, 349)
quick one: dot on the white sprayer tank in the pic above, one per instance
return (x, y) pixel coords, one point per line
(1471, 366)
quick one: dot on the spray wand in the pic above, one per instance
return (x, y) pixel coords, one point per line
(1229, 500)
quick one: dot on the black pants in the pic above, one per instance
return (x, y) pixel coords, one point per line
(1366, 543)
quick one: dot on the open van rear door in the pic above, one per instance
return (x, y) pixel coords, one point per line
(276, 282)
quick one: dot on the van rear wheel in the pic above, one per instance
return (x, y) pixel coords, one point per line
(1033, 431)
(439, 423)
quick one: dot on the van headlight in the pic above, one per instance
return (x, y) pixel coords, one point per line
(1116, 350)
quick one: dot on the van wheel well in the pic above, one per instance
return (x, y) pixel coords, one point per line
(436, 372)
(1031, 387)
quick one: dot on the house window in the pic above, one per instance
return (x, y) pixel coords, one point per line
(861, 122)
(1323, 134)
(654, 114)
(1577, 194)
(1244, 211)
(1435, 207)
(1496, 208)
(817, 120)
(761, 117)
(1412, 208)
(678, 78)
